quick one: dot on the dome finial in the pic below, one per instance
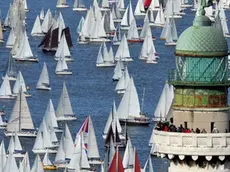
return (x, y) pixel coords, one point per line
(203, 4)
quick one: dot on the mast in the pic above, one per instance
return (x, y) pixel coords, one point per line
(142, 104)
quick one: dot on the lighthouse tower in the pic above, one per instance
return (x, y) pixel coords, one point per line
(201, 101)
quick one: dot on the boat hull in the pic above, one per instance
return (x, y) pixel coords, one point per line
(38, 34)
(62, 6)
(7, 97)
(67, 59)
(10, 78)
(137, 121)
(18, 155)
(49, 167)
(80, 9)
(170, 43)
(41, 87)
(99, 40)
(21, 134)
(64, 72)
(95, 161)
(135, 40)
(151, 62)
(106, 65)
(156, 24)
(43, 151)
(66, 118)
(26, 60)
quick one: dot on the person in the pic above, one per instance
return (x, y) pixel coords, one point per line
(197, 130)
(180, 129)
(215, 130)
(192, 131)
(226, 131)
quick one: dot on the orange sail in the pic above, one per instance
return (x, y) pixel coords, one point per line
(116, 164)
(137, 166)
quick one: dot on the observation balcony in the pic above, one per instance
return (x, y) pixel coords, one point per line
(191, 144)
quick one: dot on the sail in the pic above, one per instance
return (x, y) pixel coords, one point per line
(42, 14)
(124, 21)
(64, 105)
(20, 117)
(36, 27)
(5, 89)
(46, 136)
(39, 143)
(131, 16)
(116, 164)
(133, 32)
(11, 38)
(117, 71)
(78, 4)
(61, 2)
(17, 143)
(80, 25)
(147, 46)
(68, 143)
(44, 77)
(46, 161)
(128, 159)
(37, 166)
(105, 4)
(111, 23)
(173, 29)
(2, 156)
(62, 48)
(10, 164)
(50, 116)
(61, 155)
(19, 84)
(129, 105)
(100, 59)
(11, 67)
(11, 145)
(47, 21)
(123, 49)
(147, 3)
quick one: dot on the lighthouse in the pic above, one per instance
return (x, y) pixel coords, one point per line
(201, 83)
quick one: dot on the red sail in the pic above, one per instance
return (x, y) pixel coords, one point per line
(137, 165)
(147, 3)
(116, 164)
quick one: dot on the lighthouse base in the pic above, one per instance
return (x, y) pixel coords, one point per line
(200, 165)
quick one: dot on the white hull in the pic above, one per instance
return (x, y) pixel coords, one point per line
(7, 97)
(104, 9)
(95, 162)
(227, 35)
(156, 24)
(170, 43)
(142, 58)
(82, 42)
(126, 59)
(66, 118)
(43, 151)
(42, 87)
(99, 40)
(116, 43)
(27, 59)
(106, 65)
(120, 91)
(64, 72)
(38, 34)
(26, 95)
(117, 20)
(151, 62)
(21, 134)
(17, 155)
(62, 6)
(1, 41)
(80, 9)
(10, 78)
(124, 27)
(186, 5)
(67, 59)
(136, 121)
(175, 16)
(61, 165)
(9, 46)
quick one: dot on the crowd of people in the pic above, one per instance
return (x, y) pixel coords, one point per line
(170, 127)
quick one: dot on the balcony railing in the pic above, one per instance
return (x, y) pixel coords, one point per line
(215, 144)
(197, 79)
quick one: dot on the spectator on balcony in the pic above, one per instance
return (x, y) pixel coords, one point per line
(203, 131)
(180, 128)
(215, 130)
(166, 128)
(197, 130)
(226, 131)
(192, 131)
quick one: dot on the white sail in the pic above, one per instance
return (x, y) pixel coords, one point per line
(44, 78)
(19, 84)
(50, 116)
(47, 142)
(128, 159)
(61, 3)
(20, 117)
(117, 71)
(64, 105)
(42, 14)
(37, 29)
(61, 65)
(139, 10)
(111, 55)
(2, 156)
(46, 161)
(133, 32)
(5, 89)
(47, 21)
(61, 155)
(111, 22)
(10, 165)
(121, 4)
(160, 18)
(11, 146)
(78, 4)
(68, 143)
(129, 106)
(151, 57)
(147, 46)
(123, 82)
(146, 30)
(37, 166)
(39, 143)
(11, 39)
(105, 4)
(124, 21)
(100, 59)
(123, 50)
(17, 143)
(131, 16)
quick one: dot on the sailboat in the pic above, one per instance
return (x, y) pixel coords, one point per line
(5, 89)
(10, 69)
(37, 29)
(3, 123)
(63, 49)
(62, 4)
(117, 36)
(37, 166)
(47, 164)
(15, 147)
(129, 109)
(20, 84)
(164, 103)
(171, 33)
(11, 39)
(47, 21)
(62, 68)
(79, 160)
(24, 53)
(89, 138)
(43, 81)
(133, 35)
(123, 51)
(151, 57)
(64, 110)
(20, 120)
(127, 17)
(121, 5)
(65, 149)
(128, 159)
(160, 18)
(123, 82)
(79, 6)
(42, 14)
(116, 14)
(25, 164)
(104, 58)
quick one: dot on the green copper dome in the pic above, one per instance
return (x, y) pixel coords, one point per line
(202, 39)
